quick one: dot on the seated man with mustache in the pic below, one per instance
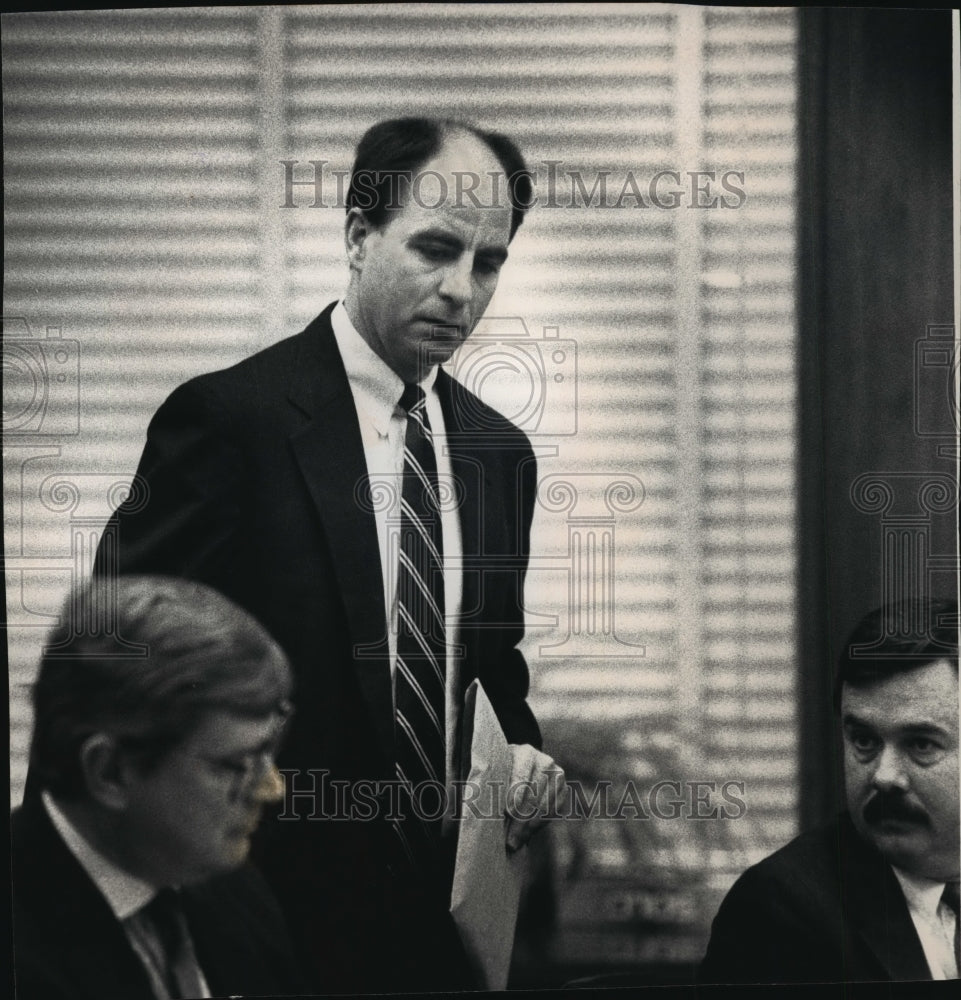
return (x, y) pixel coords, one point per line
(874, 895)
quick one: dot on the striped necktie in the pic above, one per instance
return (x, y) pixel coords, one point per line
(420, 677)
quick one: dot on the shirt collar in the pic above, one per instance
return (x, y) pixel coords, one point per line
(922, 894)
(125, 893)
(371, 379)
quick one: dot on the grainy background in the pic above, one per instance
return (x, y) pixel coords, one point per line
(704, 383)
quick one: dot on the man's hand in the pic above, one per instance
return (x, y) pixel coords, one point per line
(536, 790)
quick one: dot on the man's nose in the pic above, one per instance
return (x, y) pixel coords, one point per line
(270, 787)
(890, 771)
(456, 283)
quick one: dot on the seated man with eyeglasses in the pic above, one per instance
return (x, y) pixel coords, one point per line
(152, 758)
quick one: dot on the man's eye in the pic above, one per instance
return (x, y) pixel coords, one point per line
(433, 252)
(230, 765)
(924, 748)
(487, 267)
(863, 742)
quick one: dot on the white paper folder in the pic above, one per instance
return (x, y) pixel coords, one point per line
(487, 882)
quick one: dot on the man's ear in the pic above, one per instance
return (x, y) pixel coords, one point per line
(104, 770)
(356, 231)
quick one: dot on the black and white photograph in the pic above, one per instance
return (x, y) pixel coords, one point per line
(481, 498)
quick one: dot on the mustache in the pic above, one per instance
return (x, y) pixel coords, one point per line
(887, 805)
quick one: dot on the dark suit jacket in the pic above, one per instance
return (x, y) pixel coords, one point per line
(68, 945)
(825, 908)
(254, 483)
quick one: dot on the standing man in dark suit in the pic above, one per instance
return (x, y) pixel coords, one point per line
(376, 516)
(873, 896)
(148, 774)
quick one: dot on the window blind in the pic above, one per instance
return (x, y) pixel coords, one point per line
(132, 245)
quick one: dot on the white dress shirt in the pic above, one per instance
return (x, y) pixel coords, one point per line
(126, 895)
(383, 426)
(933, 920)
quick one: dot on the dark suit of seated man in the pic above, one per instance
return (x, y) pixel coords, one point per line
(148, 774)
(872, 896)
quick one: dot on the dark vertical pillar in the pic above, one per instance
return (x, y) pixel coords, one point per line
(875, 340)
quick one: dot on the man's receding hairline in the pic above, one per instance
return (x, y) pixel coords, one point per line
(463, 131)
(406, 185)
(467, 132)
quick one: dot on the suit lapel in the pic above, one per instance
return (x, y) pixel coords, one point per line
(479, 525)
(330, 453)
(469, 472)
(877, 910)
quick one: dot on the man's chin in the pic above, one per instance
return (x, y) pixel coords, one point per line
(437, 352)
(234, 851)
(903, 843)
(229, 859)
(240, 843)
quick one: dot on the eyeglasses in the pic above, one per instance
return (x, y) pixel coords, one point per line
(244, 771)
